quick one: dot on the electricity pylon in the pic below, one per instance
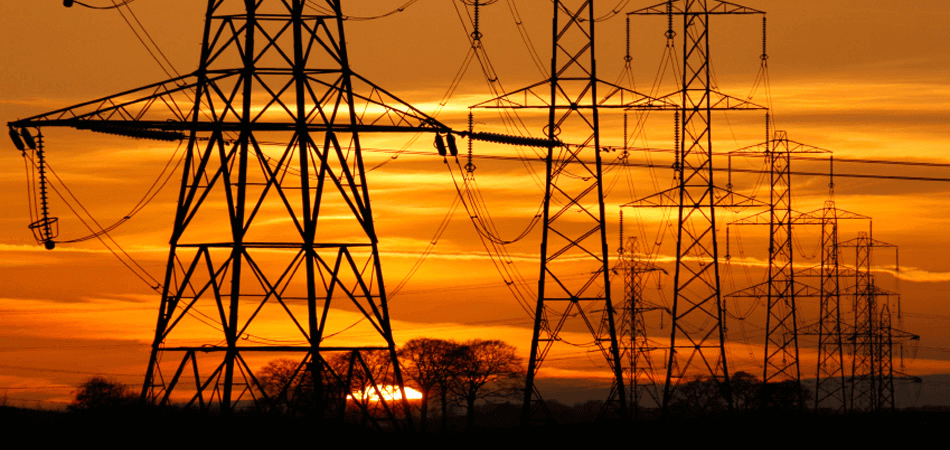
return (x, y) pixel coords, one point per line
(274, 249)
(830, 381)
(872, 376)
(886, 338)
(780, 290)
(697, 340)
(574, 281)
(636, 346)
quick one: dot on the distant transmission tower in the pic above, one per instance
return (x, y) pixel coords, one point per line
(574, 284)
(273, 118)
(872, 376)
(780, 289)
(636, 347)
(697, 340)
(831, 376)
(830, 379)
(887, 337)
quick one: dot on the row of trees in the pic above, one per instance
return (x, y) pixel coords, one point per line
(447, 373)
(443, 371)
(461, 373)
(702, 396)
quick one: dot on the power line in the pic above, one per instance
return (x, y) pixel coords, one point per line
(717, 169)
(115, 5)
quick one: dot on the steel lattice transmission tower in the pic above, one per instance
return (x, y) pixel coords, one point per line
(869, 384)
(781, 362)
(274, 249)
(574, 281)
(872, 375)
(885, 339)
(697, 341)
(830, 381)
(636, 346)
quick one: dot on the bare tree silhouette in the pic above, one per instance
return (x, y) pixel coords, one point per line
(430, 365)
(485, 369)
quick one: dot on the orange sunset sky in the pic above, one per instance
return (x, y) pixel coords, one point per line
(865, 79)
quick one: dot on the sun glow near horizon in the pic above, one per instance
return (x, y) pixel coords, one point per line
(388, 392)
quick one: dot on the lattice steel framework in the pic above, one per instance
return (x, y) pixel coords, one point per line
(830, 381)
(887, 338)
(573, 188)
(872, 377)
(574, 283)
(781, 326)
(274, 250)
(863, 364)
(698, 333)
(884, 347)
(781, 362)
(636, 347)
(869, 385)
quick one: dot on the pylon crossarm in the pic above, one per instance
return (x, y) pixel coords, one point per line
(538, 96)
(127, 106)
(664, 199)
(522, 98)
(162, 111)
(669, 198)
(761, 290)
(806, 218)
(764, 218)
(718, 7)
(796, 147)
(865, 242)
(410, 118)
(803, 290)
(717, 102)
(757, 291)
(723, 102)
(901, 335)
(759, 218)
(722, 7)
(621, 97)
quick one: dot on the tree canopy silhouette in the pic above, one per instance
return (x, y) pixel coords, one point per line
(430, 365)
(101, 393)
(461, 373)
(485, 369)
(288, 384)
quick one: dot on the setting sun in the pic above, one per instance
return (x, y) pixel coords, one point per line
(390, 393)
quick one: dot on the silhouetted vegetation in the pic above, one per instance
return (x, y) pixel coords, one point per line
(466, 379)
(484, 370)
(452, 373)
(427, 365)
(101, 394)
(492, 420)
(289, 386)
(343, 378)
(701, 397)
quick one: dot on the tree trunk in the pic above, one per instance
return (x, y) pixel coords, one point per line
(424, 411)
(470, 413)
(444, 392)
